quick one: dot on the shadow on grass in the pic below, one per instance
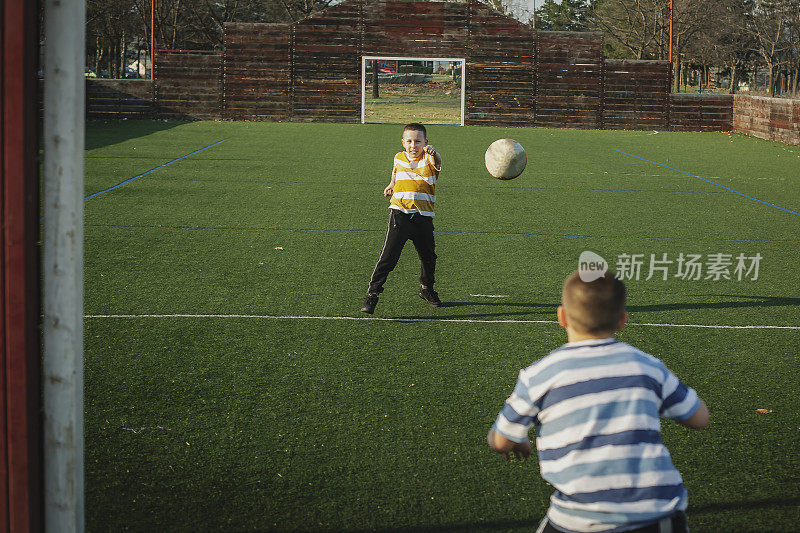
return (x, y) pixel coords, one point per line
(100, 133)
(543, 309)
(748, 504)
(503, 525)
(506, 525)
(754, 301)
(496, 304)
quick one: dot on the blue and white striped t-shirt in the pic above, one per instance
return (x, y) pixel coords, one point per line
(596, 406)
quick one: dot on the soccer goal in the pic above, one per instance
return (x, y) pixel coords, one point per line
(399, 90)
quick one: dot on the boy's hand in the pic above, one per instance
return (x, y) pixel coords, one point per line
(521, 450)
(505, 447)
(437, 159)
(389, 190)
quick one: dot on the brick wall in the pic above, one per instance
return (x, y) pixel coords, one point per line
(775, 119)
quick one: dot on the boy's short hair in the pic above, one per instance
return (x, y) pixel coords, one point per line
(595, 306)
(416, 126)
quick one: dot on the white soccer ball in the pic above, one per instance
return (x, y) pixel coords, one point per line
(505, 159)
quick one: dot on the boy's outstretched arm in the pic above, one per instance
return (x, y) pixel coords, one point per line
(699, 418)
(504, 446)
(437, 157)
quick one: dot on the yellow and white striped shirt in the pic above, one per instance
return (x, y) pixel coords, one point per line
(414, 184)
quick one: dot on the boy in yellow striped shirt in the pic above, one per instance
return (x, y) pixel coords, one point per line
(413, 191)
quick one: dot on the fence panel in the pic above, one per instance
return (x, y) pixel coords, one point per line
(569, 79)
(256, 71)
(636, 95)
(188, 84)
(117, 99)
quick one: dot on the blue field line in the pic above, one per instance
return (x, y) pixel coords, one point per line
(451, 186)
(607, 190)
(153, 170)
(709, 181)
(486, 233)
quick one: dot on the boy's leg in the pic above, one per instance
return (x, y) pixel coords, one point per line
(546, 527)
(425, 245)
(397, 233)
(422, 238)
(675, 523)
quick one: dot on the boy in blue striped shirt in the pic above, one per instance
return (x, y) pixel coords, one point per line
(596, 404)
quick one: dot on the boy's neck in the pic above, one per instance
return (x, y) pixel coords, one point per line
(578, 336)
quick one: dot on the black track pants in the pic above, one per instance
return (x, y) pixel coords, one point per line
(402, 227)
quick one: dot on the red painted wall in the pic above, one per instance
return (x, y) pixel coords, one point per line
(20, 390)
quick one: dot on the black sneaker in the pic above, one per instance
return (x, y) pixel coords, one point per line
(430, 296)
(369, 303)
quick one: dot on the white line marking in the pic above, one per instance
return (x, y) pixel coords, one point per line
(465, 320)
(491, 295)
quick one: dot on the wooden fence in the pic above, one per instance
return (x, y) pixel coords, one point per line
(118, 99)
(311, 71)
(188, 84)
(701, 112)
(636, 95)
(499, 73)
(569, 80)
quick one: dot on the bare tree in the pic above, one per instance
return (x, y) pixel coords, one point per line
(499, 5)
(724, 42)
(117, 29)
(639, 29)
(769, 25)
(793, 54)
(691, 20)
(109, 29)
(634, 25)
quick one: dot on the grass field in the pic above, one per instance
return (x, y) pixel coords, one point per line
(278, 406)
(431, 103)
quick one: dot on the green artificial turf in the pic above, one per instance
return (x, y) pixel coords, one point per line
(432, 103)
(290, 416)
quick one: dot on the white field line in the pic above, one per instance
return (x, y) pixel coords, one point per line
(461, 320)
(490, 295)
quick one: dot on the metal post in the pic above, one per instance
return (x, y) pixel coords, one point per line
(152, 39)
(63, 264)
(671, 67)
(375, 92)
(670, 31)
